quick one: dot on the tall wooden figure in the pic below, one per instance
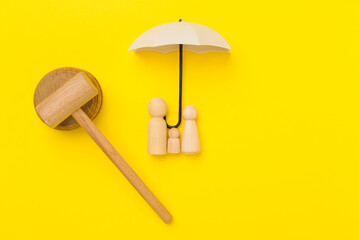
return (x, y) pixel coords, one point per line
(157, 127)
(190, 137)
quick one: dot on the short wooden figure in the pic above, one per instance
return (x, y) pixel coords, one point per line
(190, 137)
(174, 144)
(157, 127)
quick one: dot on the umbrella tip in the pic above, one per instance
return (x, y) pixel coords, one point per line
(180, 20)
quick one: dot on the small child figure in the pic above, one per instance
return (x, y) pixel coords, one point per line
(174, 145)
(157, 127)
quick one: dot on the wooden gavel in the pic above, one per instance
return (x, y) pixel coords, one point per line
(67, 100)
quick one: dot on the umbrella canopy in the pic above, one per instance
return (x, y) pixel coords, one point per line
(194, 37)
(180, 36)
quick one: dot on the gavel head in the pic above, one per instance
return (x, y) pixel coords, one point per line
(67, 90)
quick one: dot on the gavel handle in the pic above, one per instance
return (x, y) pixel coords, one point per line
(121, 164)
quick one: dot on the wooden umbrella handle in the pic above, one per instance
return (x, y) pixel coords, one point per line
(121, 164)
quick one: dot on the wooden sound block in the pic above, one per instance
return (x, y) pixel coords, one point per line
(55, 80)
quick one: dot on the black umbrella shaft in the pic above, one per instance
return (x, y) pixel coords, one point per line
(180, 89)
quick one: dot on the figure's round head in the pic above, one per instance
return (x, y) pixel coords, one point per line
(189, 113)
(157, 107)
(173, 133)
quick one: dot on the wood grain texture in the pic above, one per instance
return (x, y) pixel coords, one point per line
(56, 79)
(65, 100)
(121, 164)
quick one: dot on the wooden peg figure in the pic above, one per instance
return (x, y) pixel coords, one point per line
(190, 137)
(157, 127)
(173, 145)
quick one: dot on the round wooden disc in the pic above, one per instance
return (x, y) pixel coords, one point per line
(58, 77)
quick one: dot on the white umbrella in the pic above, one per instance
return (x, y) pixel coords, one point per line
(180, 36)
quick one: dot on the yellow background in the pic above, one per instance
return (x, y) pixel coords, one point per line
(278, 121)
